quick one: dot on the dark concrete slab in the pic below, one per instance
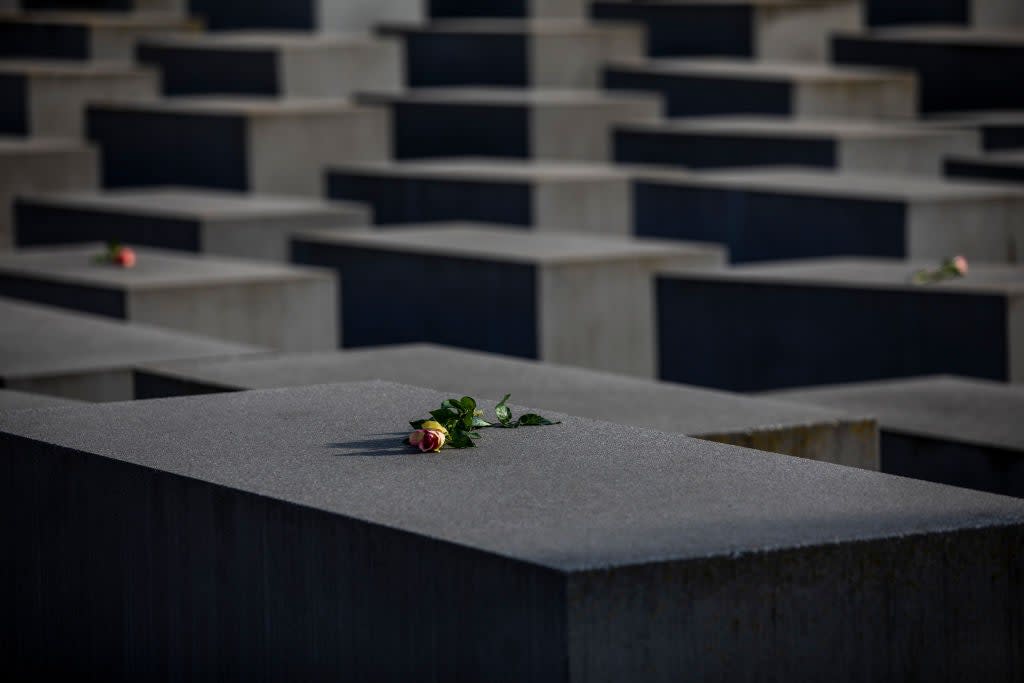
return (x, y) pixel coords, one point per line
(1006, 166)
(757, 29)
(826, 321)
(713, 86)
(510, 122)
(958, 69)
(264, 304)
(182, 218)
(950, 430)
(745, 141)
(570, 298)
(980, 13)
(543, 555)
(783, 213)
(809, 432)
(546, 53)
(242, 143)
(306, 15)
(53, 351)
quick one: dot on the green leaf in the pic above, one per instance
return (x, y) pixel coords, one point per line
(502, 411)
(460, 439)
(534, 420)
(468, 404)
(443, 415)
(417, 424)
(480, 422)
(452, 404)
(467, 420)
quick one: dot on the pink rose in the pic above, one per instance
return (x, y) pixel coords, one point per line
(960, 265)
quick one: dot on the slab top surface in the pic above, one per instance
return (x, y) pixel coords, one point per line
(192, 203)
(946, 408)
(644, 403)
(508, 96)
(19, 400)
(868, 186)
(944, 35)
(38, 145)
(252, 39)
(109, 20)
(470, 169)
(40, 340)
(742, 69)
(56, 68)
(576, 496)
(490, 243)
(769, 126)
(235, 105)
(154, 268)
(870, 273)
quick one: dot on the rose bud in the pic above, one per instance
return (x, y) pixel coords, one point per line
(125, 257)
(960, 265)
(430, 437)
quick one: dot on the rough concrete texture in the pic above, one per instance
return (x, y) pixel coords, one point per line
(263, 304)
(52, 351)
(999, 129)
(503, 122)
(844, 144)
(708, 86)
(564, 298)
(782, 213)
(274, 63)
(55, 93)
(557, 548)
(39, 165)
(819, 434)
(825, 321)
(241, 225)
(548, 196)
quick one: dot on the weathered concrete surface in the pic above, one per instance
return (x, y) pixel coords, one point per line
(789, 213)
(19, 400)
(808, 432)
(233, 224)
(565, 298)
(546, 195)
(48, 98)
(999, 129)
(263, 304)
(545, 554)
(826, 321)
(505, 122)
(710, 86)
(257, 144)
(274, 63)
(744, 141)
(951, 430)
(39, 165)
(52, 351)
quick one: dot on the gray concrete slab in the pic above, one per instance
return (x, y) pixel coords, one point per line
(546, 195)
(743, 141)
(782, 30)
(953, 430)
(711, 86)
(19, 400)
(510, 122)
(565, 298)
(826, 321)
(274, 63)
(263, 304)
(83, 35)
(1001, 166)
(978, 13)
(1002, 129)
(39, 165)
(48, 97)
(841, 437)
(301, 507)
(957, 68)
(542, 53)
(257, 144)
(53, 351)
(788, 213)
(235, 224)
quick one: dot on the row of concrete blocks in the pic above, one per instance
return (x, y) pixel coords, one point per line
(646, 308)
(544, 555)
